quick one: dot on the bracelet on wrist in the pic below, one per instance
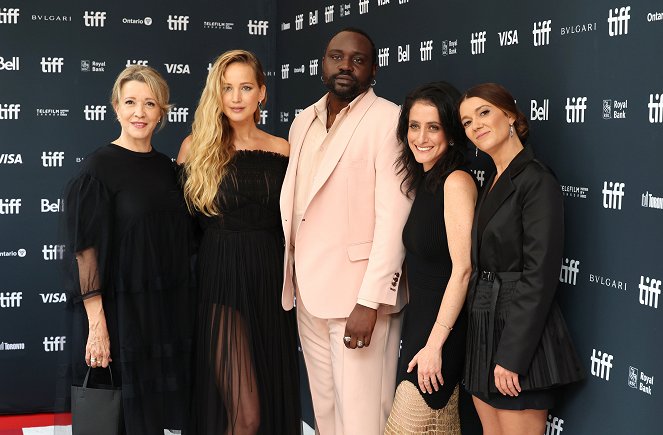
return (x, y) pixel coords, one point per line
(444, 325)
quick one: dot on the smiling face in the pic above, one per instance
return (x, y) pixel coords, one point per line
(137, 111)
(425, 134)
(240, 92)
(485, 124)
(347, 68)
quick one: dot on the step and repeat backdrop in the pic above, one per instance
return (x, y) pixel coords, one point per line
(590, 80)
(588, 76)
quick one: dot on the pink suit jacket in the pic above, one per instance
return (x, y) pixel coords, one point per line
(349, 243)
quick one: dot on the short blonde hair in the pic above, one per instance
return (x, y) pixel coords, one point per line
(153, 80)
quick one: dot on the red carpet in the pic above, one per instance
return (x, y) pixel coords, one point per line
(14, 424)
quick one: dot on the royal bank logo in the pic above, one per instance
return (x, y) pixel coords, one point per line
(299, 22)
(298, 111)
(52, 64)
(52, 159)
(284, 116)
(178, 23)
(651, 201)
(13, 64)
(177, 68)
(135, 62)
(449, 47)
(577, 29)
(638, 380)
(10, 299)
(263, 117)
(94, 113)
(654, 16)
(363, 7)
(614, 109)
(655, 107)
(569, 271)
(344, 10)
(56, 206)
(147, 21)
(383, 57)
(633, 374)
(601, 363)
(313, 67)
(618, 19)
(9, 15)
(313, 18)
(554, 425)
(54, 344)
(9, 111)
(93, 65)
(650, 290)
(480, 175)
(329, 14)
(404, 53)
(11, 159)
(613, 194)
(10, 206)
(539, 112)
(218, 25)
(285, 71)
(11, 346)
(541, 33)
(258, 27)
(57, 113)
(94, 18)
(478, 42)
(508, 37)
(575, 109)
(53, 298)
(574, 191)
(178, 114)
(426, 50)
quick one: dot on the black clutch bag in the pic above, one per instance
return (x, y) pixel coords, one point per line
(96, 411)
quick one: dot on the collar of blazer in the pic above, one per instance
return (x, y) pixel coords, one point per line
(491, 201)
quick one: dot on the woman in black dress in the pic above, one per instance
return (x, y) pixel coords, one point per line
(130, 241)
(437, 242)
(246, 369)
(518, 347)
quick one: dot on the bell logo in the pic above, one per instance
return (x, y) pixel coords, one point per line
(601, 363)
(9, 15)
(178, 114)
(52, 64)
(383, 56)
(258, 27)
(313, 18)
(575, 109)
(13, 64)
(52, 207)
(650, 290)
(478, 42)
(539, 113)
(363, 7)
(612, 195)
(9, 111)
(618, 23)
(94, 19)
(52, 159)
(404, 53)
(177, 68)
(94, 113)
(655, 108)
(426, 50)
(54, 344)
(10, 206)
(541, 33)
(10, 299)
(178, 22)
(329, 14)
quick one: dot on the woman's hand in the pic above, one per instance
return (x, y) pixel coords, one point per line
(97, 349)
(429, 372)
(506, 381)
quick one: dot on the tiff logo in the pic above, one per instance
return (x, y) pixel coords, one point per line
(94, 113)
(178, 22)
(53, 252)
(313, 67)
(601, 364)
(10, 206)
(363, 7)
(52, 64)
(94, 19)
(263, 117)
(178, 114)
(52, 159)
(569, 272)
(618, 23)
(258, 27)
(9, 15)
(329, 14)
(135, 62)
(479, 175)
(383, 56)
(54, 344)
(313, 18)
(478, 42)
(612, 195)
(650, 289)
(299, 22)
(541, 33)
(404, 53)
(575, 109)
(9, 111)
(554, 425)
(10, 300)
(426, 50)
(285, 71)
(655, 108)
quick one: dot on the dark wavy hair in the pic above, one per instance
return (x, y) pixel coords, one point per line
(444, 97)
(501, 98)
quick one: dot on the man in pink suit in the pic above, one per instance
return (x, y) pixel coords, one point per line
(343, 215)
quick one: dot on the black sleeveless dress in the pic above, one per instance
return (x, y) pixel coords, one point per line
(241, 323)
(428, 270)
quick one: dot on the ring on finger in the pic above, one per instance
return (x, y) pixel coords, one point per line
(347, 339)
(360, 343)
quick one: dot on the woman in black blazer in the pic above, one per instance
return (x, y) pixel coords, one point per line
(518, 345)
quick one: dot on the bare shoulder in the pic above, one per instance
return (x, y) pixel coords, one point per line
(184, 150)
(280, 145)
(459, 180)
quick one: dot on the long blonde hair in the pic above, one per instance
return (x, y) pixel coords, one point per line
(212, 145)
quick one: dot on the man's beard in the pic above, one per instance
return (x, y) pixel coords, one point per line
(346, 93)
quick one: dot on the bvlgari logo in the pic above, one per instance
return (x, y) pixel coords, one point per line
(575, 29)
(52, 18)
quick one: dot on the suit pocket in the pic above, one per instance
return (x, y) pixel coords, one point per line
(359, 251)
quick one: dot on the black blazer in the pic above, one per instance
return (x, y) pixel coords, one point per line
(519, 227)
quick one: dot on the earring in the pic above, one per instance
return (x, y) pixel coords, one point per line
(451, 143)
(476, 151)
(511, 130)
(322, 79)
(260, 105)
(373, 82)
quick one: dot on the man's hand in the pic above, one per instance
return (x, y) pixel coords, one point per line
(359, 327)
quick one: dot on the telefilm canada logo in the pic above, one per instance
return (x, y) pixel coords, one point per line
(218, 25)
(574, 191)
(639, 380)
(57, 113)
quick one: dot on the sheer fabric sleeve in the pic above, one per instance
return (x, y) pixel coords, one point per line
(88, 222)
